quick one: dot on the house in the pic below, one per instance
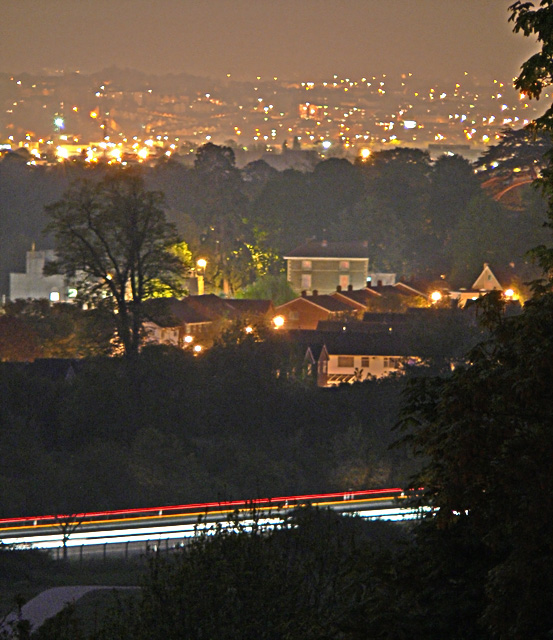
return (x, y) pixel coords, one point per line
(322, 266)
(353, 359)
(484, 283)
(378, 279)
(307, 311)
(359, 299)
(174, 322)
(33, 284)
(369, 323)
(229, 308)
(316, 363)
(354, 356)
(197, 319)
(397, 297)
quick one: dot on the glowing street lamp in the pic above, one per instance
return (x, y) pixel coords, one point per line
(435, 296)
(201, 263)
(278, 321)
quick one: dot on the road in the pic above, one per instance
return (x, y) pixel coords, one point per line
(138, 530)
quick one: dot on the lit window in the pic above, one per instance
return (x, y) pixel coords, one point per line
(306, 265)
(55, 296)
(344, 281)
(344, 265)
(306, 281)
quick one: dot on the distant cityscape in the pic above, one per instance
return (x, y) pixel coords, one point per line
(128, 116)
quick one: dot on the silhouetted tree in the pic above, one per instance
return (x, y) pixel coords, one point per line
(113, 237)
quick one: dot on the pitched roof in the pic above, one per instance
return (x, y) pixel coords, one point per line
(356, 343)
(410, 289)
(360, 296)
(254, 307)
(316, 351)
(323, 249)
(215, 307)
(387, 319)
(486, 280)
(398, 289)
(324, 301)
(171, 312)
(210, 305)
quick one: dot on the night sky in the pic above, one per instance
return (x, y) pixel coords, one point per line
(290, 39)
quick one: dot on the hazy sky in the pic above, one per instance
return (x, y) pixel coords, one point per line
(290, 39)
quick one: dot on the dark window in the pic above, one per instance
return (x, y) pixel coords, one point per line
(345, 362)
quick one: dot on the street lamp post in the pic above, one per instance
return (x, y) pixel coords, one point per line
(201, 264)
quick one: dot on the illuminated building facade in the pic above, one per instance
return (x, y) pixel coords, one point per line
(322, 266)
(34, 285)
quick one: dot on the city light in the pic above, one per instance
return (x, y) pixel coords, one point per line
(470, 112)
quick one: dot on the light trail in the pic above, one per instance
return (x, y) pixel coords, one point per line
(190, 522)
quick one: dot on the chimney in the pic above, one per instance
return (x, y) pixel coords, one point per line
(324, 243)
(304, 294)
(365, 243)
(315, 293)
(338, 288)
(350, 287)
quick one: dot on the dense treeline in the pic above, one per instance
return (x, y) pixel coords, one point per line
(171, 428)
(478, 566)
(420, 217)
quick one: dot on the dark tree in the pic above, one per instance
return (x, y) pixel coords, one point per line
(112, 236)
(297, 582)
(518, 149)
(486, 436)
(537, 72)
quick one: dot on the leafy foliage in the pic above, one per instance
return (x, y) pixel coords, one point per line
(113, 237)
(486, 436)
(294, 582)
